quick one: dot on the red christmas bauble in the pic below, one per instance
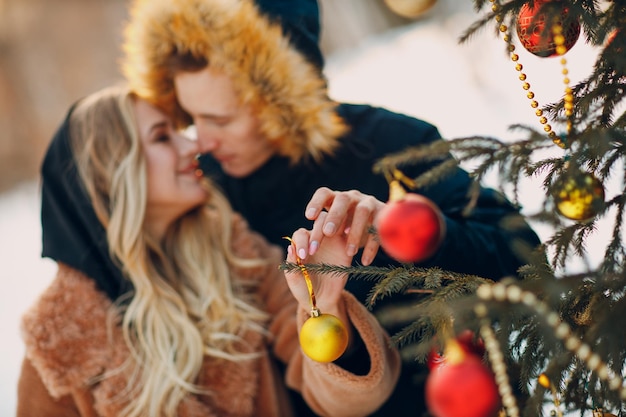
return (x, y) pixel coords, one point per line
(470, 343)
(434, 359)
(411, 228)
(462, 389)
(530, 28)
(467, 341)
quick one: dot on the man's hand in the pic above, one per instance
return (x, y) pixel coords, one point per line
(347, 212)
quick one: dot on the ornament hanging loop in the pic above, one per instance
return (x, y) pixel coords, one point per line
(315, 312)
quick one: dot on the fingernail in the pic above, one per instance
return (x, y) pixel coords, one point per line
(313, 247)
(329, 228)
(351, 250)
(289, 250)
(310, 213)
(301, 253)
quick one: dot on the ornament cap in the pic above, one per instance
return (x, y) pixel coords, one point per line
(544, 381)
(396, 191)
(454, 352)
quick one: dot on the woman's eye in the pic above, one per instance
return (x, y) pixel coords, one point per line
(162, 138)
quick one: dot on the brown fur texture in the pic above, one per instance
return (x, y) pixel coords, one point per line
(69, 345)
(287, 92)
(72, 355)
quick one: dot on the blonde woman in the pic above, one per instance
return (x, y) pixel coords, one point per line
(174, 307)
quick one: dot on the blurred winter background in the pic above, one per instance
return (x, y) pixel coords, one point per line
(52, 53)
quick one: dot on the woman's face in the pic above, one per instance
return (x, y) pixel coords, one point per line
(174, 181)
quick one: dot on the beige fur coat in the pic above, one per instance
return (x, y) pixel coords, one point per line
(68, 347)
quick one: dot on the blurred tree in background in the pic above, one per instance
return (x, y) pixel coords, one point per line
(51, 53)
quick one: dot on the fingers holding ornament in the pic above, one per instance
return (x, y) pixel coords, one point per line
(327, 286)
(347, 212)
(323, 337)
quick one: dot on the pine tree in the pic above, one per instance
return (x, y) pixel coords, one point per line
(554, 336)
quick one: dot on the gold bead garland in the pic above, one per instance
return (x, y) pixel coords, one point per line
(568, 99)
(513, 294)
(496, 359)
(495, 7)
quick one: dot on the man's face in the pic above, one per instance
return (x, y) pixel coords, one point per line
(225, 128)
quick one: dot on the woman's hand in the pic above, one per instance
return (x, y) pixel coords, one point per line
(347, 211)
(327, 287)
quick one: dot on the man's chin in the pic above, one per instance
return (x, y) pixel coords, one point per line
(235, 172)
(236, 168)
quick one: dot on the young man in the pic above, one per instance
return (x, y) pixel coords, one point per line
(249, 76)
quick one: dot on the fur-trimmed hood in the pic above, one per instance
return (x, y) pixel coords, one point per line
(288, 92)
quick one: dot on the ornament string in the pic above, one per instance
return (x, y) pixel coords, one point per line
(396, 178)
(315, 312)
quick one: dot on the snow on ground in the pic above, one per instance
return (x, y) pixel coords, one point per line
(24, 274)
(419, 69)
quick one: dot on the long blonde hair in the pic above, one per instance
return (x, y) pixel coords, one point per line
(186, 303)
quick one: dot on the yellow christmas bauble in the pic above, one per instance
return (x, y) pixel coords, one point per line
(410, 9)
(323, 338)
(579, 197)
